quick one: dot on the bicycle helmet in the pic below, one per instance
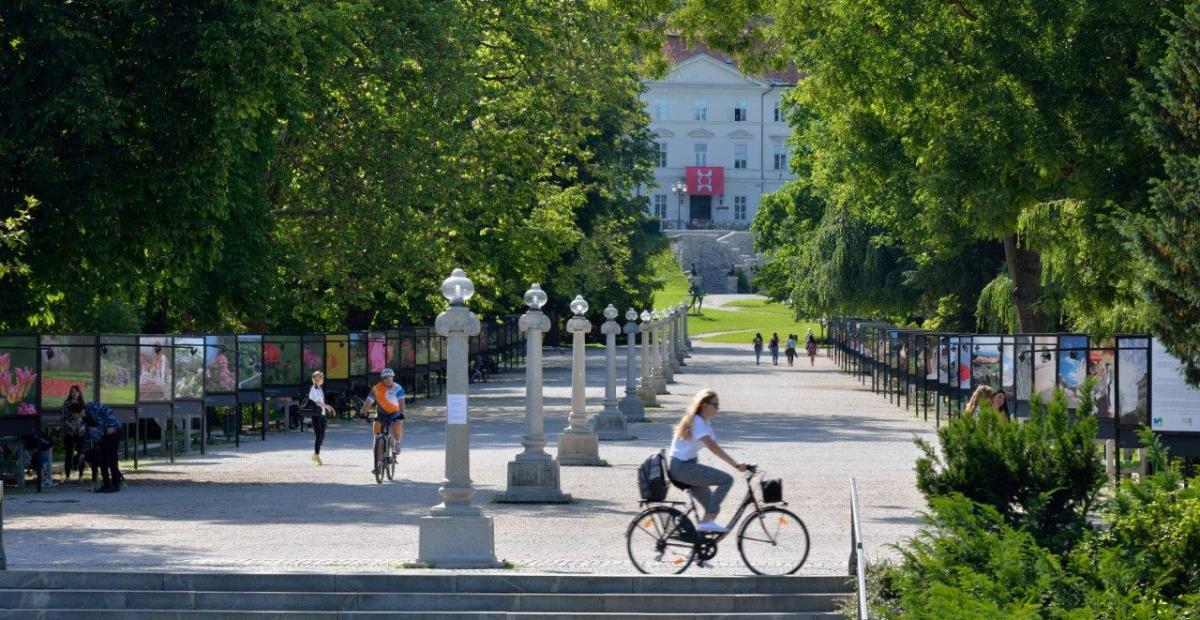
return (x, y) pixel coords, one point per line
(387, 372)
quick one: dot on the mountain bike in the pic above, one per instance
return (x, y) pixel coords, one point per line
(384, 453)
(771, 539)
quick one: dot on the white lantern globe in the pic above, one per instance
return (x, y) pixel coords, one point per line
(579, 305)
(611, 312)
(535, 297)
(457, 289)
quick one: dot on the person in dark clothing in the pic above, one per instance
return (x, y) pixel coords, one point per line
(38, 445)
(72, 425)
(89, 449)
(110, 439)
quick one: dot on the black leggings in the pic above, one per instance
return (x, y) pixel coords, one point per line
(108, 460)
(71, 455)
(318, 426)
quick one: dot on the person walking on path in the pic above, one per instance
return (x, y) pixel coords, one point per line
(773, 345)
(109, 425)
(316, 396)
(758, 344)
(73, 427)
(791, 349)
(810, 345)
(693, 433)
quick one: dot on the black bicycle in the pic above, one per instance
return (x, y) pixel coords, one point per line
(771, 540)
(385, 456)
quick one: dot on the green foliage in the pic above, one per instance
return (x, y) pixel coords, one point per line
(276, 164)
(1167, 239)
(944, 124)
(1041, 476)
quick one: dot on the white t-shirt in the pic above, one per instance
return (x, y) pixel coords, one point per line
(317, 395)
(688, 449)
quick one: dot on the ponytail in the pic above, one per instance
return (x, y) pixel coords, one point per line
(683, 430)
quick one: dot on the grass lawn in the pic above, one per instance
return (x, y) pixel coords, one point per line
(751, 315)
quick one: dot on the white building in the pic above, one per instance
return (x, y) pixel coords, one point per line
(715, 124)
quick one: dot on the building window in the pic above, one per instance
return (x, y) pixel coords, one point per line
(658, 110)
(700, 109)
(740, 150)
(781, 157)
(701, 150)
(662, 154)
(741, 111)
(660, 206)
(739, 207)
(778, 113)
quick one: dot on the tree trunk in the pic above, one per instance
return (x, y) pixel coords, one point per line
(1025, 269)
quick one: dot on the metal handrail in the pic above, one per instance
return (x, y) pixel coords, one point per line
(858, 562)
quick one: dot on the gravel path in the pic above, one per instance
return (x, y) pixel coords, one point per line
(265, 506)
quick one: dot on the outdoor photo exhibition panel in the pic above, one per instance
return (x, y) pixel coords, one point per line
(19, 374)
(1174, 414)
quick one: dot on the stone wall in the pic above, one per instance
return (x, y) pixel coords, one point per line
(712, 253)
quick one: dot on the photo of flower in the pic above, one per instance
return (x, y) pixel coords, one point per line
(67, 361)
(250, 368)
(17, 379)
(281, 361)
(220, 373)
(189, 368)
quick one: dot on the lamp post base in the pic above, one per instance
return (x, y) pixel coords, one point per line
(533, 481)
(580, 449)
(610, 424)
(647, 395)
(458, 541)
(633, 409)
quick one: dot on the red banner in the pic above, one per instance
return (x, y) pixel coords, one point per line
(705, 180)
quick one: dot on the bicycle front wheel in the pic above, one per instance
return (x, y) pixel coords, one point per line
(380, 458)
(391, 464)
(773, 542)
(661, 541)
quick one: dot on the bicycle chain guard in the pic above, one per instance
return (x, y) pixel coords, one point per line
(706, 551)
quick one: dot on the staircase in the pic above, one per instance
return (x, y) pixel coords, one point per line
(712, 253)
(53, 595)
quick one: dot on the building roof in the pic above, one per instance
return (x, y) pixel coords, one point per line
(677, 50)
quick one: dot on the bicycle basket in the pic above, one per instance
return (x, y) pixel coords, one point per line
(772, 491)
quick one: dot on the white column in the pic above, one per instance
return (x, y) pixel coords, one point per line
(611, 423)
(632, 405)
(656, 360)
(533, 476)
(456, 534)
(647, 389)
(664, 353)
(686, 345)
(578, 445)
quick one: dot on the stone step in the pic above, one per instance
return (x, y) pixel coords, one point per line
(106, 614)
(146, 600)
(483, 583)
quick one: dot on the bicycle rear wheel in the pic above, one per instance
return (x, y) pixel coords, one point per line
(773, 541)
(380, 458)
(661, 541)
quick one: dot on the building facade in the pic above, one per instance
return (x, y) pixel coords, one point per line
(722, 140)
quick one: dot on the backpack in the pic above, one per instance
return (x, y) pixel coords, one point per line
(652, 478)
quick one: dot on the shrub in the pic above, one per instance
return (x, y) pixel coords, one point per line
(1041, 476)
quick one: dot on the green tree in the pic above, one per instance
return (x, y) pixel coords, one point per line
(1167, 239)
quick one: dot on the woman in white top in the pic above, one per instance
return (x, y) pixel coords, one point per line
(692, 434)
(316, 394)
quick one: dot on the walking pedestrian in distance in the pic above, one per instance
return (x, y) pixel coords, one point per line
(773, 345)
(810, 345)
(758, 345)
(790, 350)
(316, 395)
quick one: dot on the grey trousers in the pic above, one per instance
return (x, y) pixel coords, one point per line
(700, 477)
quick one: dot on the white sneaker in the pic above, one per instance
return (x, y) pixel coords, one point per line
(712, 526)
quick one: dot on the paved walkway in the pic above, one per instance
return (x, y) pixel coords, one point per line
(265, 506)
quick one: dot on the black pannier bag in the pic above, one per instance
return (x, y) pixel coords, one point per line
(772, 491)
(652, 478)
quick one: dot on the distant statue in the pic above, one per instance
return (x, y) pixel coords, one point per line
(697, 297)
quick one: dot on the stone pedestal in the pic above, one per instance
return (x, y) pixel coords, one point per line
(672, 341)
(577, 445)
(658, 374)
(631, 405)
(685, 344)
(664, 352)
(456, 534)
(533, 474)
(610, 425)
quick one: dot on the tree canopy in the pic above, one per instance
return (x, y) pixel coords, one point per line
(277, 164)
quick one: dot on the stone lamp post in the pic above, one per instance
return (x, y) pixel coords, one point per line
(672, 338)
(656, 359)
(631, 405)
(533, 475)
(611, 423)
(578, 445)
(684, 345)
(664, 351)
(647, 390)
(456, 534)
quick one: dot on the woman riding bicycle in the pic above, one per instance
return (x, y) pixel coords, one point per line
(693, 433)
(390, 398)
